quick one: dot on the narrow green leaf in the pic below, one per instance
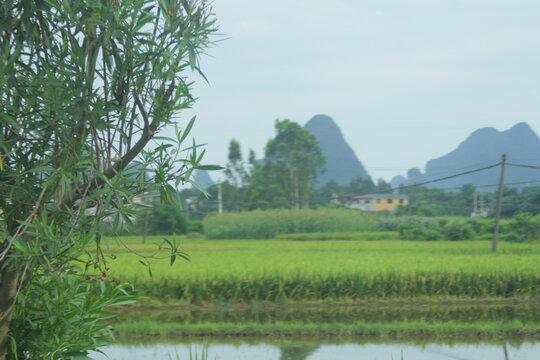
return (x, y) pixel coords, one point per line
(186, 131)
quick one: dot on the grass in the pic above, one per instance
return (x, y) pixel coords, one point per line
(248, 271)
(518, 320)
(396, 330)
(371, 312)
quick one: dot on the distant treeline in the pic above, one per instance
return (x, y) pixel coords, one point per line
(285, 179)
(286, 176)
(423, 201)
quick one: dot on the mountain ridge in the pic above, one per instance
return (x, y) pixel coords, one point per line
(342, 164)
(482, 148)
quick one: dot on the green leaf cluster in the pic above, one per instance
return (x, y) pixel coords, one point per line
(86, 90)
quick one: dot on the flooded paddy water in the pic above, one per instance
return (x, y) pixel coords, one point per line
(217, 339)
(283, 350)
(456, 311)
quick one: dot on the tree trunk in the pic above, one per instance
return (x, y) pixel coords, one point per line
(8, 291)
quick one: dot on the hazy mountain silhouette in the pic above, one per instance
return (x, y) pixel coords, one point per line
(203, 177)
(482, 148)
(341, 163)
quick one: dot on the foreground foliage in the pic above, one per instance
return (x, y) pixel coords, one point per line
(68, 313)
(85, 88)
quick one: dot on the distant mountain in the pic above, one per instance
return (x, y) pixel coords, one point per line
(482, 148)
(203, 177)
(342, 165)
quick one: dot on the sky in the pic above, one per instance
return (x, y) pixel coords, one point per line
(405, 80)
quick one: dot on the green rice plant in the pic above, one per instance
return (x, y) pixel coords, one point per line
(193, 355)
(265, 224)
(250, 271)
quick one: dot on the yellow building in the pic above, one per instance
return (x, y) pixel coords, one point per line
(378, 202)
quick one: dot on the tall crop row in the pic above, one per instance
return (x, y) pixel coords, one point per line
(340, 286)
(265, 224)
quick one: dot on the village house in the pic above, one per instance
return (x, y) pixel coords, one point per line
(375, 202)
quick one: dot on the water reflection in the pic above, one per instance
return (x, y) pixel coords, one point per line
(297, 352)
(289, 349)
(316, 351)
(525, 313)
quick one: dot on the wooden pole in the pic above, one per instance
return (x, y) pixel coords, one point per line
(145, 230)
(499, 205)
(220, 198)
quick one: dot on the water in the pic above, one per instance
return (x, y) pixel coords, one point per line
(371, 313)
(347, 348)
(320, 351)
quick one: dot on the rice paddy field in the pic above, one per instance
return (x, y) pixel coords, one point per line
(436, 321)
(344, 286)
(288, 271)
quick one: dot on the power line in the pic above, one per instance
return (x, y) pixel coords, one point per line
(402, 187)
(524, 166)
(488, 185)
(441, 179)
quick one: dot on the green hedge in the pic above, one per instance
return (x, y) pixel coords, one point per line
(365, 235)
(266, 224)
(334, 223)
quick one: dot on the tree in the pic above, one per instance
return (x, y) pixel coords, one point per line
(85, 86)
(167, 219)
(236, 175)
(361, 186)
(265, 190)
(323, 195)
(465, 200)
(251, 157)
(292, 160)
(382, 186)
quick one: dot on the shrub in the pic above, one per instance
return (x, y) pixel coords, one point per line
(166, 219)
(195, 226)
(456, 230)
(390, 223)
(512, 237)
(75, 311)
(526, 226)
(481, 226)
(420, 230)
(430, 229)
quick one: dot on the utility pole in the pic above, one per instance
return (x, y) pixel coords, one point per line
(220, 198)
(483, 210)
(145, 230)
(499, 205)
(296, 192)
(475, 204)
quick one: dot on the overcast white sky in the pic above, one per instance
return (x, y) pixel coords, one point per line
(405, 80)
